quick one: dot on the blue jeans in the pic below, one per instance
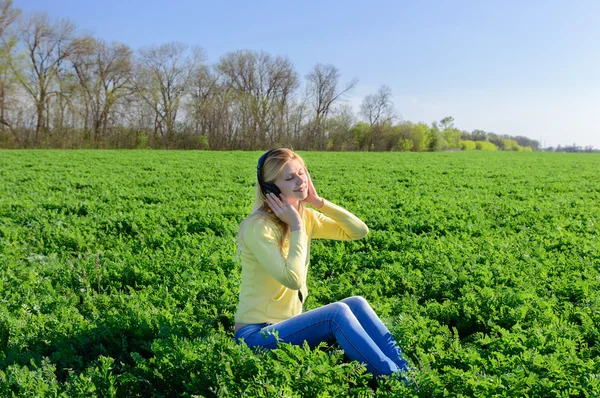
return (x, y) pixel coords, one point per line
(352, 322)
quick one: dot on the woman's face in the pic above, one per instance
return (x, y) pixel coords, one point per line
(292, 181)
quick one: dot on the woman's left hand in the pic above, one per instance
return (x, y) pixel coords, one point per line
(312, 198)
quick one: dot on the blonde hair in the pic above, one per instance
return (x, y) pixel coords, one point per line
(271, 170)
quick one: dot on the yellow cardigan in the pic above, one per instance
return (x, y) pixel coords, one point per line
(271, 279)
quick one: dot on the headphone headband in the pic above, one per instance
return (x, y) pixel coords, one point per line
(265, 187)
(262, 159)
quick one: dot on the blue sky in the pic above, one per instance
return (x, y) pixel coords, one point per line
(527, 68)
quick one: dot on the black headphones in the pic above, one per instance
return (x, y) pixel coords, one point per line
(265, 187)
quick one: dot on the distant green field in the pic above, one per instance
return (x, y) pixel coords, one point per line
(117, 275)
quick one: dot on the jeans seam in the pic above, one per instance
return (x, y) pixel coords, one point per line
(358, 304)
(353, 346)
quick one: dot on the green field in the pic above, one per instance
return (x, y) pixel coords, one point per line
(117, 275)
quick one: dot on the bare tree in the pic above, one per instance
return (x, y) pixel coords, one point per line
(323, 92)
(339, 128)
(210, 109)
(162, 78)
(378, 110)
(297, 116)
(447, 123)
(8, 41)
(205, 89)
(103, 73)
(47, 45)
(8, 15)
(262, 87)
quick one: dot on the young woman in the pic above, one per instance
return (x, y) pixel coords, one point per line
(274, 243)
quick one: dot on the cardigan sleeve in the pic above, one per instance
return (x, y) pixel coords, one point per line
(334, 222)
(262, 240)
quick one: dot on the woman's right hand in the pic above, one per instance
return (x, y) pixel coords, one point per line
(284, 211)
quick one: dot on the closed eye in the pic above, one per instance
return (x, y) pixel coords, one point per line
(289, 179)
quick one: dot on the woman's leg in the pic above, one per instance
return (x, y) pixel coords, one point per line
(334, 320)
(376, 330)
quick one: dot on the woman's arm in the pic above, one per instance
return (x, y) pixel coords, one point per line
(261, 239)
(337, 223)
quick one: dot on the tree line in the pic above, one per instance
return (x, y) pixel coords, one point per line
(62, 89)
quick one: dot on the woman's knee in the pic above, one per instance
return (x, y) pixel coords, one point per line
(341, 315)
(356, 301)
(339, 307)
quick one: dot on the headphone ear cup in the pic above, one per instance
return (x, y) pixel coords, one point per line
(269, 187)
